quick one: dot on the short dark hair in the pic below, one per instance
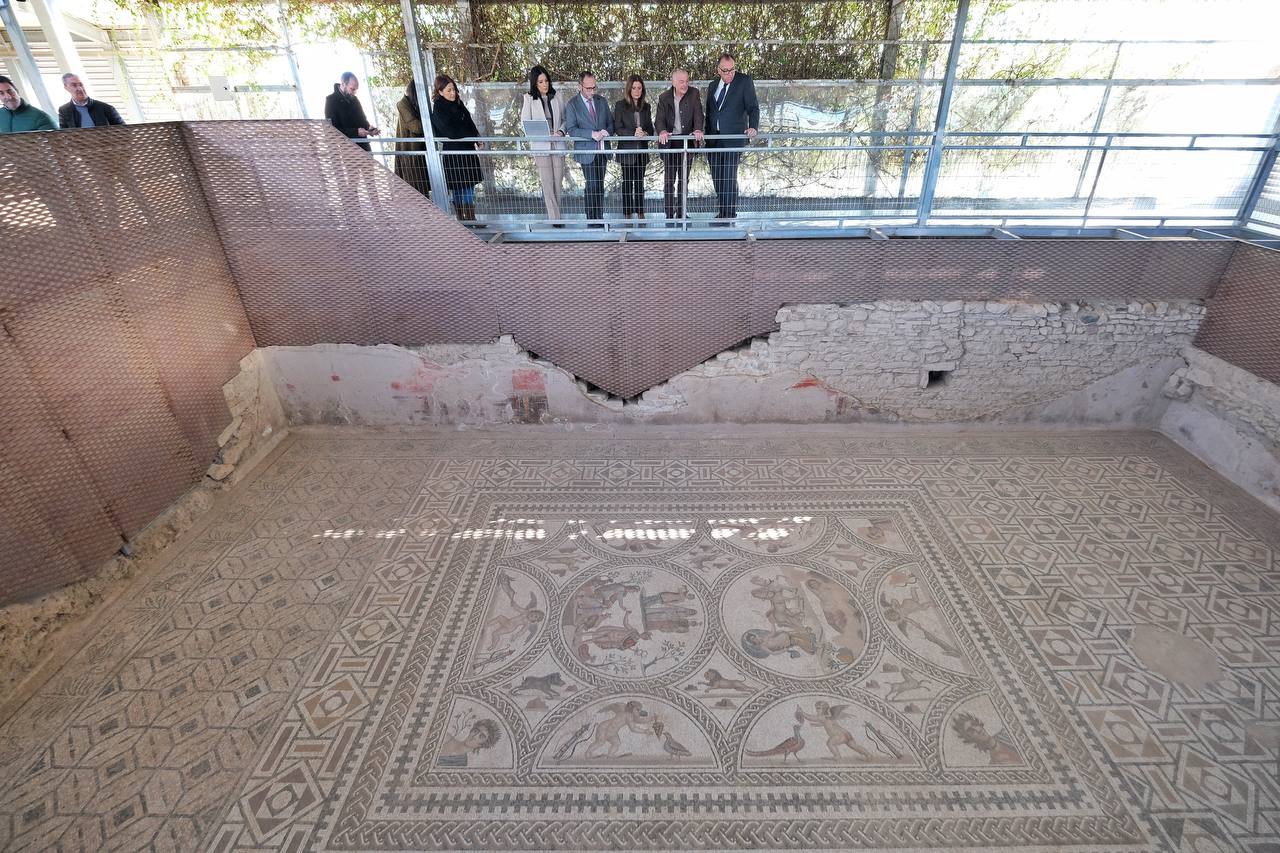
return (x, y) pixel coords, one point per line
(534, 73)
(728, 56)
(585, 73)
(4, 79)
(348, 76)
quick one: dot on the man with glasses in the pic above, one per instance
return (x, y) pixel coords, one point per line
(732, 108)
(589, 121)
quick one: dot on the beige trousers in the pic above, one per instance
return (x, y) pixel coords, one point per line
(551, 173)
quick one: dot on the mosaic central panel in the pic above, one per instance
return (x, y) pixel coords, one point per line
(827, 659)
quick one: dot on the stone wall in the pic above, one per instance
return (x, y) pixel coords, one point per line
(1097, 363)
(1230, 419)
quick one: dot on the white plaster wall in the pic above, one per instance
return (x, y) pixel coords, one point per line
(1230, 419)
(1100, 363)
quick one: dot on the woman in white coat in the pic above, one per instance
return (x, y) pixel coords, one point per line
(542, 102)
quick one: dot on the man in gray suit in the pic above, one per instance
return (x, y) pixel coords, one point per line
(588, 119)
(731, 108)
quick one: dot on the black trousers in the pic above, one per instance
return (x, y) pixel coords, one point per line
(675, 184)
(633, 188)
(724, 176)
(593, 174)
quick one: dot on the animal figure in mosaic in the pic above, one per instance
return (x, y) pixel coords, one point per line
(670, 745)
(790, 746)
(548, 685)
(715, 682)
(827, 717)
(457, 748)
(998, 747)
(608, 733)
(501, 627)
(909, 684)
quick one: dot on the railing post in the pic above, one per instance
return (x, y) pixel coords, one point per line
(26, 60)
(423, 84)
(293, 59)
(944, 110)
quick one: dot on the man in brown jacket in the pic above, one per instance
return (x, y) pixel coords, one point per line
(679, 113)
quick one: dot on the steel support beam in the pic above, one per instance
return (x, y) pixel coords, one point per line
(293, 59)
(944, 111)
(1266, 164)
(26, 60)
(58, 36)
(423, 83)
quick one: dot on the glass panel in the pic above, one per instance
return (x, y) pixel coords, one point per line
(1173, 183)
(1124, 19)
(1190, 109)
(1024, 108)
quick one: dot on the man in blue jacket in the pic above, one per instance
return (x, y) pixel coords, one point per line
(83, 111)
(589, 121)
(732, 108)
(16, 115)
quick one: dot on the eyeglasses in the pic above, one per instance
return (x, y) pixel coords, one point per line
(726, 70)
(588, 88)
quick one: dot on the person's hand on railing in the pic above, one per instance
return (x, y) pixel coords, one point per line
(640, 132)
(663, 137)
(751, 133)
(362, 132)
(598, 135)
(697, 136)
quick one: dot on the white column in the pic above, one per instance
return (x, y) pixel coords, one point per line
(34, 88)
(58, 37)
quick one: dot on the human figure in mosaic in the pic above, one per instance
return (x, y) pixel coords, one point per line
(828, 717)
(998, 747)
(502, 626)
(455, 751)
(664, 612)
(608, 734)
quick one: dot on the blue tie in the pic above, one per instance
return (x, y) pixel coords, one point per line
(720, 95)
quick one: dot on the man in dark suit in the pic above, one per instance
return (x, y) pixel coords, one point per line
(732, 108)
(679, 114)
(83, 111)
(588, 119)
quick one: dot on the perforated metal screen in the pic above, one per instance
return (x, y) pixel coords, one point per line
(142, 262)
(1243, 322)
(121, 324)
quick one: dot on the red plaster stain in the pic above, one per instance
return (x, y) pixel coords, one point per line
(290, 386)
(395, 386)
(815, 382)
(423, 378)
(333, 377)
(527, 379)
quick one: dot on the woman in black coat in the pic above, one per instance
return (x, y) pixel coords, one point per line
(633, 125)
(450, 119)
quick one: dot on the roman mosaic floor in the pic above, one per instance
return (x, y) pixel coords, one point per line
(785, 640)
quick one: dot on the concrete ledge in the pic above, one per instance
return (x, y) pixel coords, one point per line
(1229, 419)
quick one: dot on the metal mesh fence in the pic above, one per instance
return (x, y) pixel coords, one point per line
(1243, 322)
(121, 324)
(143, 256)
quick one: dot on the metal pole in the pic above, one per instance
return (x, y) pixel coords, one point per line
(1093, 189)
(1097, 122)
(58, 37)
(944, 109)
(293, 60)
(435, 168)
(122, 68)
(915, 113)
(26, 60)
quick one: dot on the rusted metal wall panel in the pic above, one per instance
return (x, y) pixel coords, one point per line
(1243, 322)
(121, 324)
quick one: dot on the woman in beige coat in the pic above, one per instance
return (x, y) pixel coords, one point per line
(543, 103)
